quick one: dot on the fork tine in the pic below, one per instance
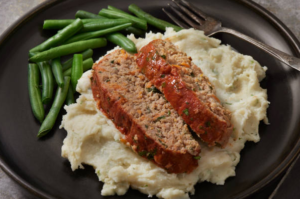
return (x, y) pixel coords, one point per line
(179, 23)
(189, 13)
(195, 9)
(187, 20)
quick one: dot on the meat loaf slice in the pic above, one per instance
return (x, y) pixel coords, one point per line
(151, 126)
(187, 89)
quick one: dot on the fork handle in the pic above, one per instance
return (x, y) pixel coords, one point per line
(292, 61)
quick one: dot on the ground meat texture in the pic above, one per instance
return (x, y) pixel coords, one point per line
(151, 126)
(187, 89)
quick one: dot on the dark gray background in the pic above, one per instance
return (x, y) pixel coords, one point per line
(287, 11)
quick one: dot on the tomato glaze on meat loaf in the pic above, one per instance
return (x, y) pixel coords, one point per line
(187, 89)
(152, 128)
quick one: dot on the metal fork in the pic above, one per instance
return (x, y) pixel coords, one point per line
(211, 26)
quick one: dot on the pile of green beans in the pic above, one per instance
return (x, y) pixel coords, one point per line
(78, 37)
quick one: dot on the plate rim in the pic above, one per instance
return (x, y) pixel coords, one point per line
(276, 22)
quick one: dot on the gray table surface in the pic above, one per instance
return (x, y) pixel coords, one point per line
(287, 11)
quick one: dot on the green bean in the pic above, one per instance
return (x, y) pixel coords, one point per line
(57, 72)
(85, 54)
(87, 15)
(133, 30)
(86, 65)
(84, 15)
(122, 41)
(57, 23)
(61, 23)
(31, 54)
(60, 97)
(59, 37)
(95, 34)
(47, 81)
(158, 23)
(102, 24)
(88, 24)
(35, 93)
(116, 9)
(138, 23)
(76, 70)
(68, 49)
(70, 96)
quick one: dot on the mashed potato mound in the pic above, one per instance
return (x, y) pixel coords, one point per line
(93, 139)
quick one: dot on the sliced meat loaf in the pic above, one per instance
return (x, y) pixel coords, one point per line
(187, 89)
(151, 126)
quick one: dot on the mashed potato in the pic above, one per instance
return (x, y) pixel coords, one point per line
(93, 139)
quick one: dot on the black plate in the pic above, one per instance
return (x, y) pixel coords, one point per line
(38, 165)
